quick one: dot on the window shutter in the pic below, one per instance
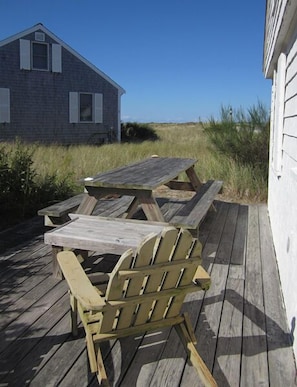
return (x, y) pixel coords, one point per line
(98, 108)
(56, 58)
(25, 60)
(4, 105)
(73, 107)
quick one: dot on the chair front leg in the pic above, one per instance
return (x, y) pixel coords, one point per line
(73, 314)
(186, 334)
(101, 373)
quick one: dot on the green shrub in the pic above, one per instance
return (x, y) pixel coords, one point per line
(22, 191)
(243, 136)
(135, 132)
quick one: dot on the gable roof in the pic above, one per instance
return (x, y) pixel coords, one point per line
(41, 27)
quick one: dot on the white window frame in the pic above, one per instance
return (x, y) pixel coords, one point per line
(47, 56)
(74, 108)
(4, 105)
(92, 108)
(26, 56)
(278, 103)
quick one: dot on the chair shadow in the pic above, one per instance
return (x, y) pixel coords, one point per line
(239, 345)
(26, 357)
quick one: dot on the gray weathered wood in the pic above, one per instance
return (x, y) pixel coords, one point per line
(239, 244)
(193, 212)
(63, 207)
(101, 234)
(45, 352)
(254, 359)
(147, 174)
(57, 214)
(279, 339)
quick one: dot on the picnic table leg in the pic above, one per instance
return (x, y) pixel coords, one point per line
(131, 209)
(194, 179)
(80, 254)
(196, 182)
(87, 205)
(151, 209)
(57, 273)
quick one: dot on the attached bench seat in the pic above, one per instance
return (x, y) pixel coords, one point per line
(191, 214)
(58, 213)
(187, 214)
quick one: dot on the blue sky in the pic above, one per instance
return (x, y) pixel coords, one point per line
(178, 60)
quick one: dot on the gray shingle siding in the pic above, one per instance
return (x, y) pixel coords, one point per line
(39, 100)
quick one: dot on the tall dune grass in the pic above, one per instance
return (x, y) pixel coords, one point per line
(241, 183)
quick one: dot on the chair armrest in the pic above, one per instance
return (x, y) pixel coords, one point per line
(202, 278)
(78, 282)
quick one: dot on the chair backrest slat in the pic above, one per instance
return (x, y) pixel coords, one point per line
(172, 246)
(171, 279)
(186, 278)
(116, 292)
(153, 284)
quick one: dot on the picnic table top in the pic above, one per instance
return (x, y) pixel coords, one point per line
(147, 174)
(97, 233)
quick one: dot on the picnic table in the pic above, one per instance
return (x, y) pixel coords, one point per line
(86, 233)
(139, 180)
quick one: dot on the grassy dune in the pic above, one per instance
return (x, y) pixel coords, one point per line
(176, 140)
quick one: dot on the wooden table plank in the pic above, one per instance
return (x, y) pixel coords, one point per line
(101, 234)
(146, 174)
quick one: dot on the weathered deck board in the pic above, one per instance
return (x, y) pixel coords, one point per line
(277, 330)
(240, 323)
(254, 359)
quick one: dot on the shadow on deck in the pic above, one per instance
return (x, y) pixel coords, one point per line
(240, 322)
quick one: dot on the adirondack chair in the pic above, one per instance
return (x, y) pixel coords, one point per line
(145, 291)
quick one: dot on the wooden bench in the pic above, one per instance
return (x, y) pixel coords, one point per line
(192, 213)
(187, 214)
(58, 213)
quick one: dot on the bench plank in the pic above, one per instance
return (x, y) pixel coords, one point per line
(57, 214)
(191, 215)
(62, 208)
(188, 214)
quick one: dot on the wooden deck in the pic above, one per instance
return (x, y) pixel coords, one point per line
(240, 322)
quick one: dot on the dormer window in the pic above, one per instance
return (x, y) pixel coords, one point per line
(39, 56)
(36, 55)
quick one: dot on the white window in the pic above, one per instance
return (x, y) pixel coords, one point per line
(39, 56)
(278, 106)
(85, 107)
(35, 56)
(4, 105)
